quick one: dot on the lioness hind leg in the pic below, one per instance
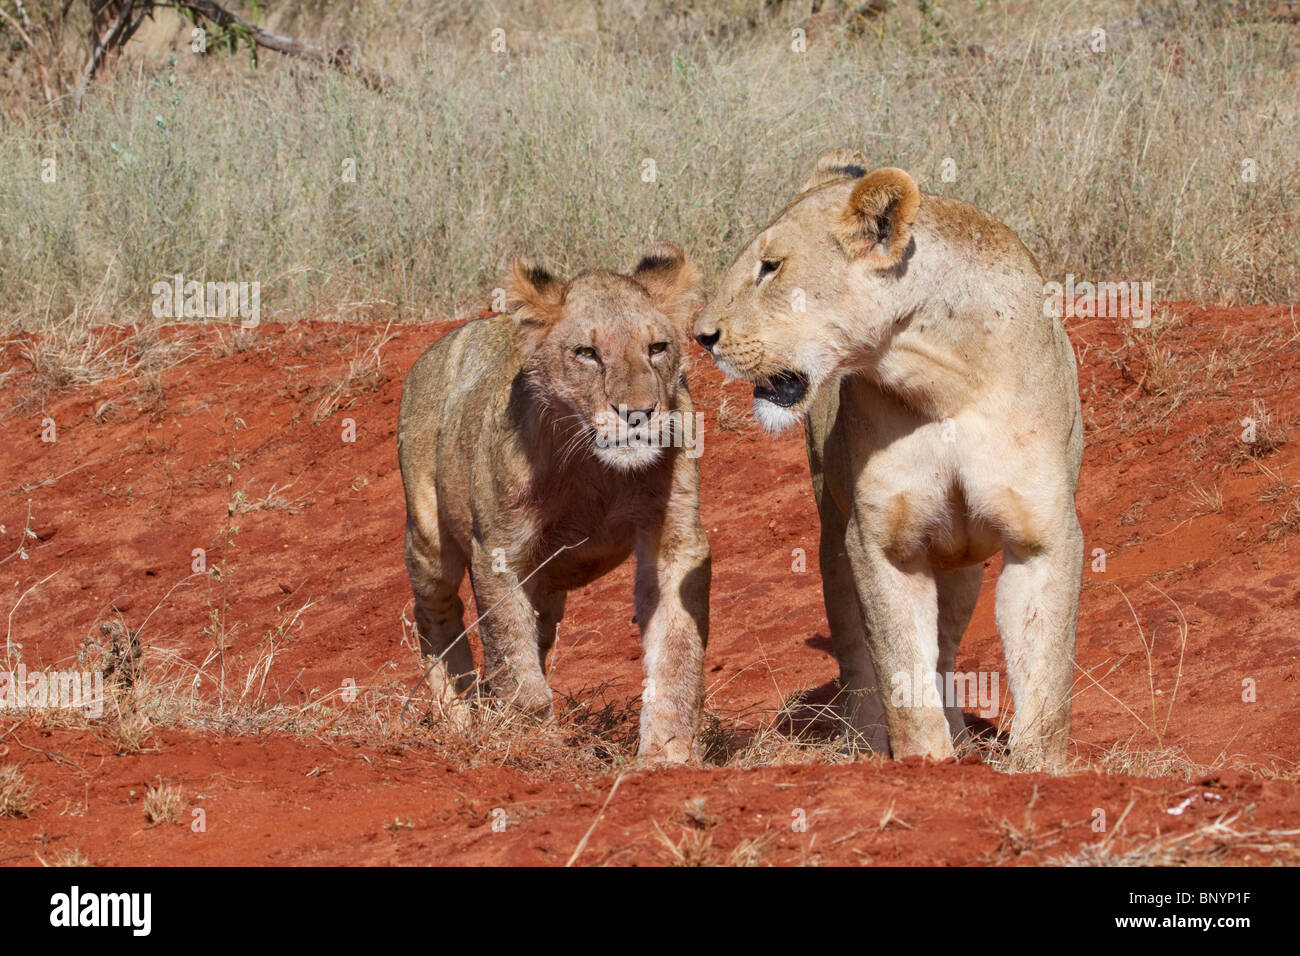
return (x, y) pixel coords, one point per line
(1037, 610)
(959, 592)
(436, 566)
(859, 697)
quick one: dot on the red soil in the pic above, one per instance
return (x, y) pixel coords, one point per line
(145, 469)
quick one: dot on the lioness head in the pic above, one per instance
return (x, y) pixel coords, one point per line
(605, 351)
(782, 312)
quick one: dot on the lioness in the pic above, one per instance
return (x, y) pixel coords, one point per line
(539, 449)
(942, 416)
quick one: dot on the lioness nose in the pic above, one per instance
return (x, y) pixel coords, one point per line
(708, 339)
(627, 414)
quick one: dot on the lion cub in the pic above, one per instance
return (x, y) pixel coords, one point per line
(941, 408)
(538, 450)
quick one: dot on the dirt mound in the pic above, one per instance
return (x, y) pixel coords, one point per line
(236, 501)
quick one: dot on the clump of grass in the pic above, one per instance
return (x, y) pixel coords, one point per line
(364, 372)
(1284, 497)
(1207, 500)
(796, 732)
(274, 500)
(73, 857)
(1263, 433)
(15, 792)
(692, 848)
(1209, 844)
(1127, 758)
(70, 353)
(163, 804)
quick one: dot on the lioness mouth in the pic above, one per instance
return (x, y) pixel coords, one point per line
(784, 389)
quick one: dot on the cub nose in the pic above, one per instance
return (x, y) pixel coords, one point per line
(708, 339)
(641, 415)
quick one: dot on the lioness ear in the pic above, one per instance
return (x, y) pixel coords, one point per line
(533, 295)
(672, 282)
(876, 223)
(842, 163)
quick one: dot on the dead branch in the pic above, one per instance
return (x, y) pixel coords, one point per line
(36, 52)
(111, 32)
(341, 59)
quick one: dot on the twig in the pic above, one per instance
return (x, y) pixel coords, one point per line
(582, 844)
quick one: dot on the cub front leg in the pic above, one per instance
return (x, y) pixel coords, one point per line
(672, 606)
(509, 631)
(900, 609)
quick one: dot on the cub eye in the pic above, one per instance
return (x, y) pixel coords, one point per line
(658, 348)
(766, 267)
(586, 352)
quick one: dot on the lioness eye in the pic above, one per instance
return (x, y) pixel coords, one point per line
(658, 347)
(765, 268)
(587, 352)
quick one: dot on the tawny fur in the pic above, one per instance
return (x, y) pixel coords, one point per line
(943, 425)
(501, 442)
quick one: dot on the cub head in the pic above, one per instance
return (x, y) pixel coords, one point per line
(790, 311)
(605, 351)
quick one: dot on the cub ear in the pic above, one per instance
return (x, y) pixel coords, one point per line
(672, 282)
(533, 295)
(842, 163)
(876, 223)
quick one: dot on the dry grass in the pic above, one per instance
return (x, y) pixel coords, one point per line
(193, 165)
(1284, 498)
(163, 804)
(1269, 432)
(1206, 500)
(15, 792)
(1129, 758)
(1154, 723)
(73, 857)
(69, 354)
(274, 500)
(1223, 840)
(151, 686)
(694, 844)
(1161, 368)
(364, 373)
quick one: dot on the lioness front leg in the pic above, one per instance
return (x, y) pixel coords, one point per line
(509, 629)
(1037, 610)
(900, 607)
(672, 606)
